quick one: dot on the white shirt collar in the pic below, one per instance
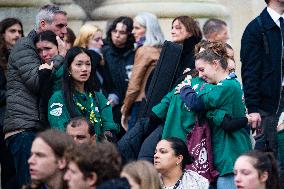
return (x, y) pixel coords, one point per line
(274, 15)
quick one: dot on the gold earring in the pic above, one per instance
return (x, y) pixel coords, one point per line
(177, 163)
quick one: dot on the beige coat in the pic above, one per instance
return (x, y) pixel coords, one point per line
(145, 61)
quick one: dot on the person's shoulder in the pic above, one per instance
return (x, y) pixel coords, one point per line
(254, 25)
(190, 175)
(57, 94)
(100, 95)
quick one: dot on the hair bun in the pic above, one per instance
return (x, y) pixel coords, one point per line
(218, 48)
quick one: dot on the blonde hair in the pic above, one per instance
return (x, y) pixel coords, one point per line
(143, 173)
(85, 33)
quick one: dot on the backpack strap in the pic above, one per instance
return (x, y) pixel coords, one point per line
(262, 30)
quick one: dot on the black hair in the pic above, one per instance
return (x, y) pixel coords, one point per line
(67, 80)
(265, 162)
(128, 22)
(180, 148)
(76, 122)
(46, 36)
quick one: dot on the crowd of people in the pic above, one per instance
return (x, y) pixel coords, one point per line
(73, 107)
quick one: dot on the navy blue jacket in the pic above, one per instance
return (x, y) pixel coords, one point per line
(118, 63)
(262, 69)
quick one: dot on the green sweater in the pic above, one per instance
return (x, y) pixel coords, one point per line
(58, 115)
(226, 98)
(223, 98)
(179, 120)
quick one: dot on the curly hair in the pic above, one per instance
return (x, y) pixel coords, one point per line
(210, 51)
(102, 158)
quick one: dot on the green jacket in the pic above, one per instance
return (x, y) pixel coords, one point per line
(179, 120)
(56, 79)
(226, 98)
(58, 115)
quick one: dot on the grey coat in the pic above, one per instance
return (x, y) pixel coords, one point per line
(23, 109)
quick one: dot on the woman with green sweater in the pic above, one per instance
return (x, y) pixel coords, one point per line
(222, 101)
(77, 96)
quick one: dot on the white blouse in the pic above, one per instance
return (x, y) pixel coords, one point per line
(191, 180)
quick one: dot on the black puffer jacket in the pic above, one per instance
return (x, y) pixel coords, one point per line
(23, 110)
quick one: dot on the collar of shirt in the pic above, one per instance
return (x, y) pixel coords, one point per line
(274, 15)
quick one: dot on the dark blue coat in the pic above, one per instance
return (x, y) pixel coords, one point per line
(262, 69)
(118, 63)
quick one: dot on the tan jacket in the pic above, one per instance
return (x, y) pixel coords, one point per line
(145, 61)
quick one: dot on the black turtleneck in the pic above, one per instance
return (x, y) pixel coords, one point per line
(187, 57)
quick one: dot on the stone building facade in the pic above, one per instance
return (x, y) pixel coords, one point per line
(237, 13)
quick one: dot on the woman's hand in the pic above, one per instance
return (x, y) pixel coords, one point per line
(124, 122)
(46, 66)
(185, 82)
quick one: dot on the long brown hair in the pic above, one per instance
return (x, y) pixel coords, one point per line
(4, 51)
(191, 25)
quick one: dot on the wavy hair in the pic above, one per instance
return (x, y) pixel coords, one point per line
(128, 22)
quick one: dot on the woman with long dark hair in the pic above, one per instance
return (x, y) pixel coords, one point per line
(78, 97)
(11, 29)
(118, 53)
(185, 31)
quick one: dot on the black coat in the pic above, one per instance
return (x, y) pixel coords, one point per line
(118, 64)
(261, 70)
(187, 59)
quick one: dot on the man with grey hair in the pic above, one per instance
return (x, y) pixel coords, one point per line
(24, 116)
(215, 30)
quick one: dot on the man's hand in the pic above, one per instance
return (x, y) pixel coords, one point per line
(61, 46)
(255, 120)
(249, 119)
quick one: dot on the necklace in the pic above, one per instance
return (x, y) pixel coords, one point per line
(88, 112)
(176, 184)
